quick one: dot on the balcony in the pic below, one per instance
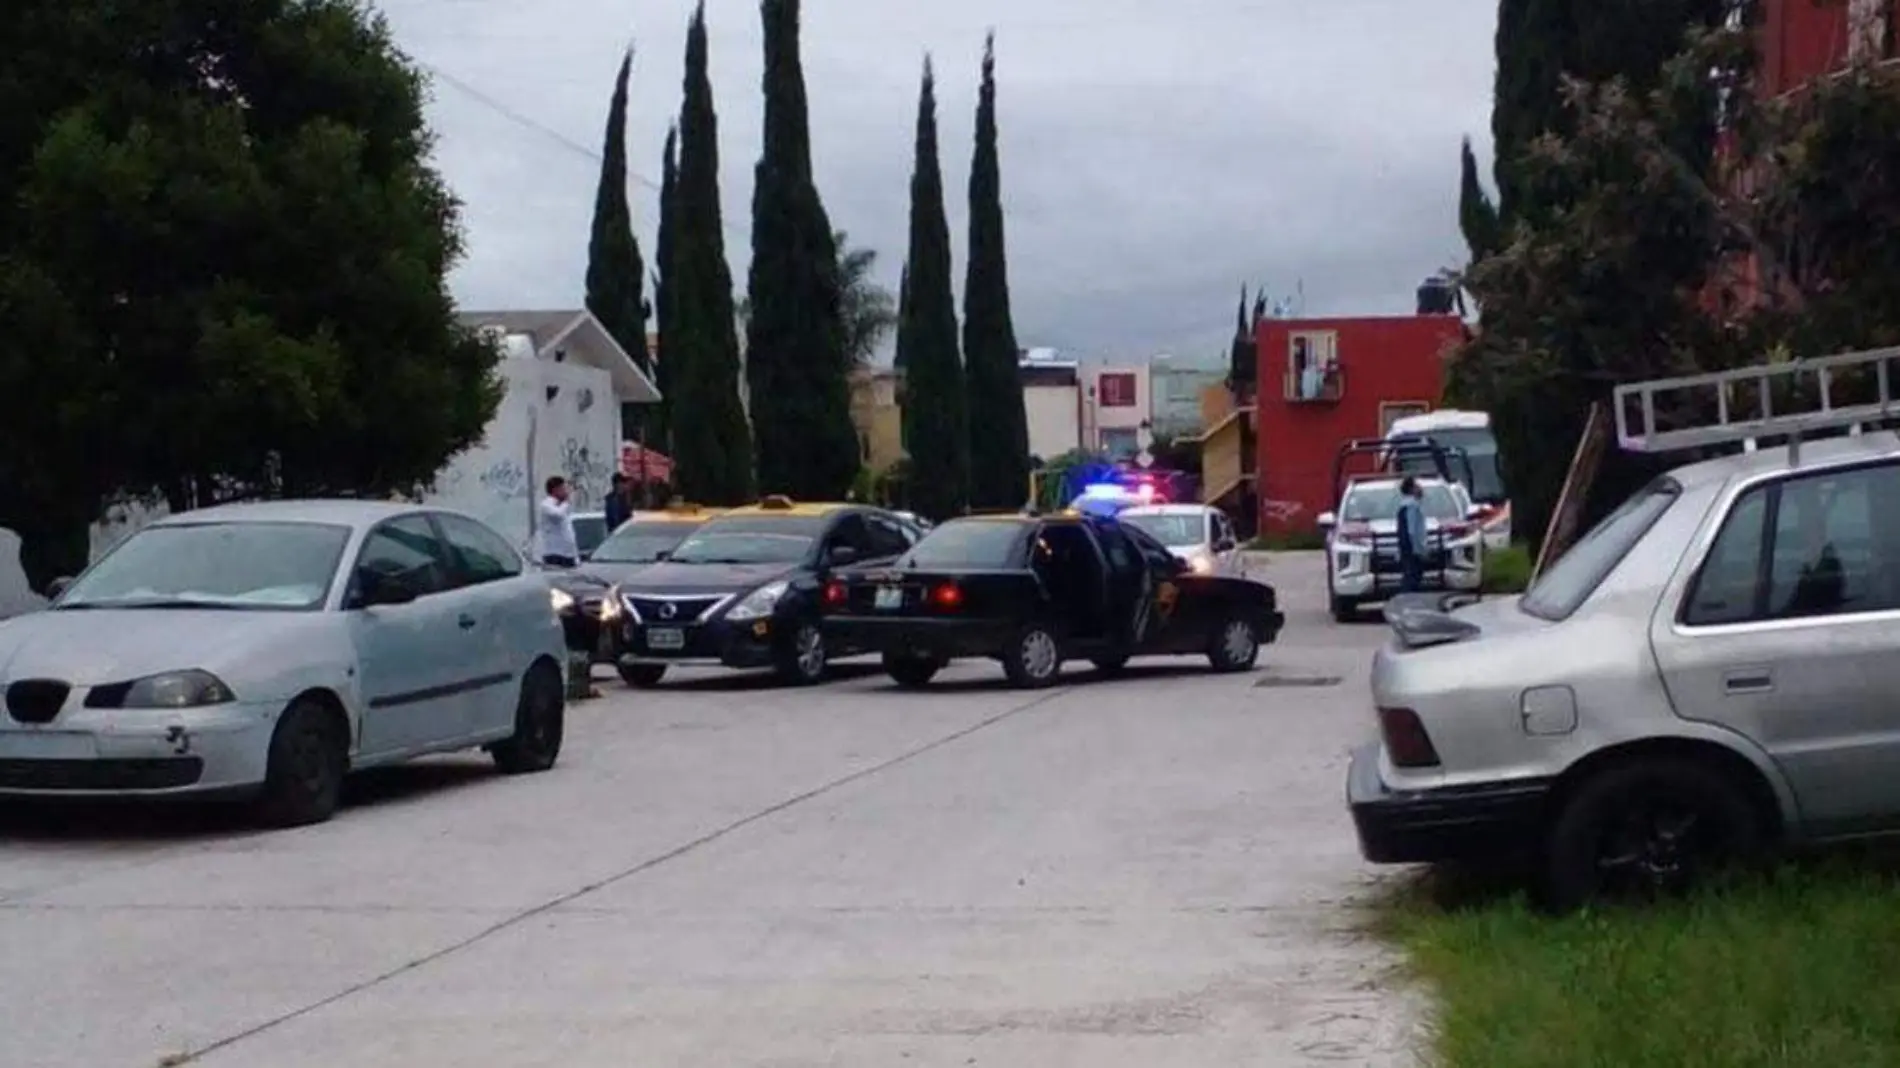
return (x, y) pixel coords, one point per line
(1325, 387)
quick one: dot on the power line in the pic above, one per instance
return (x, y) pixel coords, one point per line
(559, 138)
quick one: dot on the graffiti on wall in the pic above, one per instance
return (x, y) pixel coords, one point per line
(506, 479)
(588, 473)
(1280, 511)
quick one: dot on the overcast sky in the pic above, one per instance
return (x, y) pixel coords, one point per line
(1156, 153)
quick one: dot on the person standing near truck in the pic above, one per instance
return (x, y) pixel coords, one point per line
(1412, 537)
(554, 527)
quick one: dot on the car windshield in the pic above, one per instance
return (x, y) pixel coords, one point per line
(589, 532)
(971, 543)
(283, 566)
(642, 542)
(751, 540)
(1480, 450)
(1380, 501)
(1175, 530)
(1575, 575)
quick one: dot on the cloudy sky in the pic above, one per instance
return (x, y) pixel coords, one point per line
(1156, 153)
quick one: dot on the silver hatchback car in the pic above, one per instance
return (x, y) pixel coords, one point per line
(1711, 671)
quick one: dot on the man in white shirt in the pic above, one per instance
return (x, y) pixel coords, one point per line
(554, 527)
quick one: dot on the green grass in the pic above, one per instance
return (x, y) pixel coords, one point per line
(1794, 969)
(1507, 570)
(1288, 543)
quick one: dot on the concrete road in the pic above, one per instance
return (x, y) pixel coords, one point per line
(1150, 871)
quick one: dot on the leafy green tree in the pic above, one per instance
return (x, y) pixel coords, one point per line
(796, 360)
(999, 425)
(660, 421)
(1477, 215)
(615, 272)
(712, 444)
(870, 312)
(934, 419)
(222, 261)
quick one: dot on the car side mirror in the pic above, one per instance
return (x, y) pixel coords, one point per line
(1226, 545)
(1327, 520)
(58, 586)
(841, 556)
(374, 588)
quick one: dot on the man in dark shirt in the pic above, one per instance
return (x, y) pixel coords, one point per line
(619, 506)
(1412, 537)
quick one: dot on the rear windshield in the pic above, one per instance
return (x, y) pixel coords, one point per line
(1171, 528)
(968, 543)
(1370, 504)
(1566, 584)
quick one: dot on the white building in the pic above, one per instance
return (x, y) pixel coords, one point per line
(1052, 402)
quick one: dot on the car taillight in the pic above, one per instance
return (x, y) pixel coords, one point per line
(1405, 739)
(1356, 534)
(835, 595)
(948, 596)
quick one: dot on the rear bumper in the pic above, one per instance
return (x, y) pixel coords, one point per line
(940, 639)
(1486, 821)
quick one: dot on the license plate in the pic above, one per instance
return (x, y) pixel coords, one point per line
(666, 638)
(889, 598)
(47, 745)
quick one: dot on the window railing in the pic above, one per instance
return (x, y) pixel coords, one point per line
(1316, 387)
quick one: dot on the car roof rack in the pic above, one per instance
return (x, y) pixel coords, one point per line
(1392, 449)
(1715, 391)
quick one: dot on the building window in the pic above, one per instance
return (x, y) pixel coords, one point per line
(1312, 366)
(1120, 444)
(1117, 390)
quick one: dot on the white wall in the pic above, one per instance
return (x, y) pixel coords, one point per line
(575, 435)
(1054, 419)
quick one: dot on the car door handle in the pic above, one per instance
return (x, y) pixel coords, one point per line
(1741, 683)
(465, 621)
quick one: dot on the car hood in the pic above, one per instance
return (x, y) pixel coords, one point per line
(90, 647)
(1189, 552)
(616, 574)
(704, 578)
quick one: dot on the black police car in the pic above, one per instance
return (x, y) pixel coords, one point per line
(1034, 591)
(743, 590)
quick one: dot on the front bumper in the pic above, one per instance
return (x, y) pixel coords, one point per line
(1486, 821)
(936, 639)
(745, 645)
(101, 752)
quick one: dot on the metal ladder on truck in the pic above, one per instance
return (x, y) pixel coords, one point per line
(1817, 380)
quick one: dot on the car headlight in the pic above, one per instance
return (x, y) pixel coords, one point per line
(760, 602)
(1200, 565)
(561, 600)
(173, 689)
(610, 607)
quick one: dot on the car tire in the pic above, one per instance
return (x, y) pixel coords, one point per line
(1649, 828)
(802, 660)
(641, 676)
(303, 776)
(1033, 660)
(1345, 611)
(540, 723)
(911, 672)
(1235, 646)
(1110, 665)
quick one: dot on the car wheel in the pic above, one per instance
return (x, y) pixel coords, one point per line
(1345, 611)
(802, 661)
(1109, 665)
(1236, 645)
(303, 776)
(1034, 658)
(641, 676)
(911, 672)
(540, 722)
(1647, 829)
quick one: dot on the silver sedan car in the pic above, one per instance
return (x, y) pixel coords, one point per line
(269, 649)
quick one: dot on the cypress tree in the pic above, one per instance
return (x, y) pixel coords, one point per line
(935, 425)
(615, 275)
(1243, 361)
(1477, 215)
(999, 426)
(711, 441)
(660, 424)
(796, 366)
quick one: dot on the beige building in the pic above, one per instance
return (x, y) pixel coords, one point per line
(877, 417)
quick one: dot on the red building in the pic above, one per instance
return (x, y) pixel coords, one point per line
(1324, 381)
(1801, 40)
